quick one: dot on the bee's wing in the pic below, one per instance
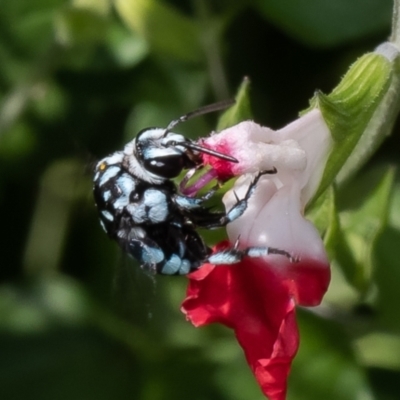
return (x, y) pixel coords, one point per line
(134, 291)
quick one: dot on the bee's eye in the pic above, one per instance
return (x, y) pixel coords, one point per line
(167, 167)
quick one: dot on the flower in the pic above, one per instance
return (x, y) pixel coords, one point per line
(257, 297)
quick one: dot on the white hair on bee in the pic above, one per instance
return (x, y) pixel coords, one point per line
(134, 167)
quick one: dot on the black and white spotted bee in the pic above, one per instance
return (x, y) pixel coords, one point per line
(141, 208)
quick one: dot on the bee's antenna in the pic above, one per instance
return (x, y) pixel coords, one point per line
(222, 105)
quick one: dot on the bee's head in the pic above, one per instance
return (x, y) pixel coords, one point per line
(157, 154)
(164, 154)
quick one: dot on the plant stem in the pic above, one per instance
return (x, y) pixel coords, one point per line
(211, 40)
(395, 36)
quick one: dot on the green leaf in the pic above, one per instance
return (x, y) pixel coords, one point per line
(17, 142)
(322, 213)
(80, 26)
(387, 272)
(101, 7)
(325, 367)
(325, 23)
(128, 48)
(240, 111)
(49, 102)
(387, 278)
(349, 108)
(361, 225)
(167, 32)
(28, 25)
(379, 350)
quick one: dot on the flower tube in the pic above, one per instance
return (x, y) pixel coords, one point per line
(257, 297)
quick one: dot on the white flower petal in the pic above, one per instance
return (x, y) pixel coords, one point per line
(313, 136)
(274, 217)
(299, 150)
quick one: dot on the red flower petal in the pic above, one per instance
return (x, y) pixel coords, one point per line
(252, 298)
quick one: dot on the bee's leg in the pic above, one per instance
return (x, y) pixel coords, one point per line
(190, 203)
(240, 206)
(234, 255)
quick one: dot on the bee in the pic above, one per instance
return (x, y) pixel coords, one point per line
(141, 208)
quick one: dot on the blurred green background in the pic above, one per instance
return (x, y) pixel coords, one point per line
(78, 79)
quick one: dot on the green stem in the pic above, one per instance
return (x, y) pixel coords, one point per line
(211, 30)
(395, 36)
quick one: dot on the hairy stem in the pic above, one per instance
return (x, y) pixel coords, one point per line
(395, 36)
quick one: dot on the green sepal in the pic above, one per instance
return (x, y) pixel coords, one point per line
(240, 111)
(167, 31)
(349, 108)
